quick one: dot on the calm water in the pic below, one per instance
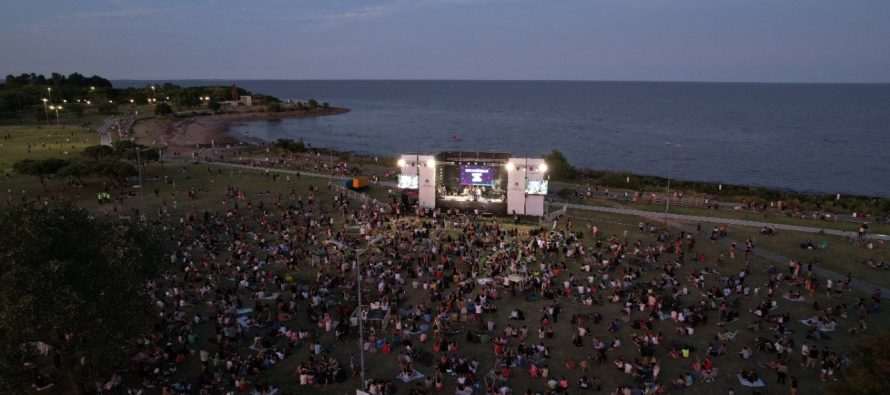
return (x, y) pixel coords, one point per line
(825, 138)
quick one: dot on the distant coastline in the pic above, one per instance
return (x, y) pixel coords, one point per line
(184, 134)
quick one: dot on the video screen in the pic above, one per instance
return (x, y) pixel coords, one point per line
(476, 175)
(409, 181)
(536, 187)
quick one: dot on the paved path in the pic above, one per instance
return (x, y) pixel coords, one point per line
(718, 220)
(288, 171)
(106, 135)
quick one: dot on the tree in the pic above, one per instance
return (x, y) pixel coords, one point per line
(126, 150)
(97, 152)
(290, 145)
(214, 105)
(559, 166)
(163, 109)
(273, 107)
(114, 170)
(76, 283)
(312, 103)
(76, 109)
(868, 369)
(41, 169)
(106, 106)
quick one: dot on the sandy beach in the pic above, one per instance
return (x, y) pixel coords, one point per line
(186, 134)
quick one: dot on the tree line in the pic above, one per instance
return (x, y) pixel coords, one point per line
(114, 163)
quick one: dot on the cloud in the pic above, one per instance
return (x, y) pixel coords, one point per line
(127, 13)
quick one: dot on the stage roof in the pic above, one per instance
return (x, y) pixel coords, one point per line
(463, 156)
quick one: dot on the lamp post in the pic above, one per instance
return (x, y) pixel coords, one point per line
(667, 194)
(45, 110)
(56, 109)
(358, 279)
(141, 192)
(50, 91)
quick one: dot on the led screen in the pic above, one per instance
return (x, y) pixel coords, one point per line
(476, 175)
(408, 181)
(536, 187)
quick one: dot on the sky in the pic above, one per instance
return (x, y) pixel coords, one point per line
(639, 40)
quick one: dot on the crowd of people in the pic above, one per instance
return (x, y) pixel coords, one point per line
(475, 306)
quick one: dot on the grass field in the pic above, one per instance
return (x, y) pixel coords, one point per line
(174, 180)
(45, 143)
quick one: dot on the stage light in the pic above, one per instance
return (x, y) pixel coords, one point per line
(430, 163)
(542, 168)
(509, 166)
(401, 163)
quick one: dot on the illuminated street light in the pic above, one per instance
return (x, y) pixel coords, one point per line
(56, 109)
(509, 166)
(542, 168)
(45, 111)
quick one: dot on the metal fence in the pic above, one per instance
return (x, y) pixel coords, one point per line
(547, 217)
(364, 198)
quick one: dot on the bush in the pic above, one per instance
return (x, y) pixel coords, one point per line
(312, 103)
(163, 109)
(559, 166)
(290, 145)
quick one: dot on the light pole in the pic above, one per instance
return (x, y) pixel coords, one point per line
(45, 110)
(141, 192)
(50, 91)
(358, 279)
(667, 194)
(56, 109)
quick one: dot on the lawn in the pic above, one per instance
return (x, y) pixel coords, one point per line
(45, 142)
(174, 180)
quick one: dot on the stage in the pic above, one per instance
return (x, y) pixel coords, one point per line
(492, 183)
(484, 205)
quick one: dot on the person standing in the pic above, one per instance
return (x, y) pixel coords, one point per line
(781, 372)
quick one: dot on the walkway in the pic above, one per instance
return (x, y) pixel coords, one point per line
(724, 221)
(288, 171)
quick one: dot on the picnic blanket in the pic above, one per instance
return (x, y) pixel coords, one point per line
(270, 297)
(798, 299)
(746, 383)
(407, 378)
(422, 328)
(822, 327)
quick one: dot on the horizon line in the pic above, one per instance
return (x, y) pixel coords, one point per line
(510, 80)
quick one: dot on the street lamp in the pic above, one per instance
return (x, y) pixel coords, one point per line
(50, 90)
(56, 109)
(667, 194)
(139, 168)
(45, 111)
(358, 279)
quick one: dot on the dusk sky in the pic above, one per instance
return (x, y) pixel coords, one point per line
(685, 40)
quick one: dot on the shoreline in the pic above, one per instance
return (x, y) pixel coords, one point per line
(191, 132)
(195, 133)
